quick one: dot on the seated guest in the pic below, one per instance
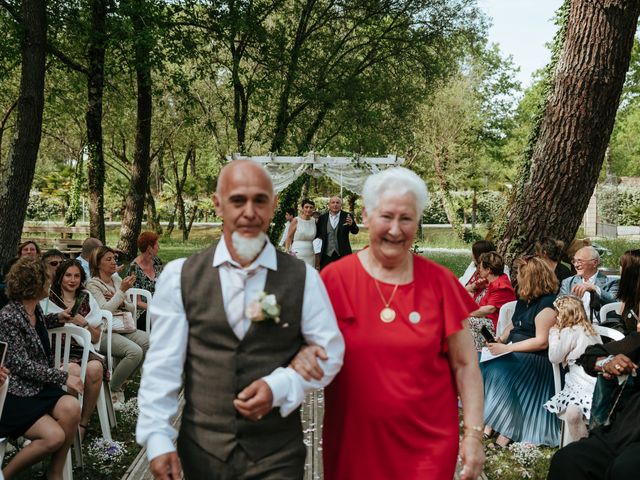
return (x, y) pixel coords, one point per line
(611, 451)
(550, 251)
(588, 281)
(68, 284)
(499, 291)
(128, 345)
(471, 280)
(36, 407)
(146, 267)
(28, 249)
(568, 339)
(517, 385)
(629, 290)
(52, 259)
(88, 246)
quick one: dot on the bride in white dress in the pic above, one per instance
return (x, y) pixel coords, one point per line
(302, 232)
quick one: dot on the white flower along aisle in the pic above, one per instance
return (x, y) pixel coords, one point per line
(349, 173)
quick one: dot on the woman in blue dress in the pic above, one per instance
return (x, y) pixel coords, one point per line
(517, 385)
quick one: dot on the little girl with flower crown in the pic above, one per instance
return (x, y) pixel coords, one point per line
(568, 339)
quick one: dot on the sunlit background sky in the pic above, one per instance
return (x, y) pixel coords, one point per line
(522, 28)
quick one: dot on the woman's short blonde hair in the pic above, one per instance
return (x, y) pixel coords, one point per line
(571, 312)
(535, 278)
(27, 279)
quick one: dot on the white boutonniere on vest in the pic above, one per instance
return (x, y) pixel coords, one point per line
(265, 307)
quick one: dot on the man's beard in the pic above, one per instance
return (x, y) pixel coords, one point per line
(248, 248)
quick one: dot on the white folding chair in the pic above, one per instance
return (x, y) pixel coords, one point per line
(133, 294)
(3, 441)
(504, 317)
(614, 335)
(61, 360)
(565, 436)
(106, 413)
(615, 307)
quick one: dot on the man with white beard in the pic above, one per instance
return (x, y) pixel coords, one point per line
(227, 321)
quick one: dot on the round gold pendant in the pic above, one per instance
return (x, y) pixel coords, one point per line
(387, 315)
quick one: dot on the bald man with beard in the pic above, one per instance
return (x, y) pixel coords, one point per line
(212, 336)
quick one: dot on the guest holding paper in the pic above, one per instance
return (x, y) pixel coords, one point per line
(66, 290)
(391, 412)
(517, 385)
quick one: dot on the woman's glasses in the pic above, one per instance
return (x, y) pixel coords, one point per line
(54, 263)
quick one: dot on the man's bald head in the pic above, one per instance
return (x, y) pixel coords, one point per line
(239, 170)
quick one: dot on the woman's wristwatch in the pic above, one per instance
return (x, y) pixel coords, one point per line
(601, 363)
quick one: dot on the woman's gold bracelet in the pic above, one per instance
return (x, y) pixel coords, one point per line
(475, 428)
(468, 435)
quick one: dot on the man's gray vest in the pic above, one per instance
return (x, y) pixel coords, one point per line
(332, 237)
(219, 365)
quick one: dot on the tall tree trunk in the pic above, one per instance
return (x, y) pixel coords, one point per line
(75, 207)
(17, 174)
(283, 118)
(95, 93)
(576, 125)
(132, 218)
(153, 219)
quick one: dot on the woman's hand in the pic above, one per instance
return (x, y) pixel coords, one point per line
(78, 320)
(498, 348)
(306, 362)
(620, 365)
(4, 374)
(472, 456)
(75, 384)
(127, 282)
(64, 316)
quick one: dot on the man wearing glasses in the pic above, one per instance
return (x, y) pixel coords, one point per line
(588, 281)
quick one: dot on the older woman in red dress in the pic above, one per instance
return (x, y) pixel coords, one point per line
(392, 411)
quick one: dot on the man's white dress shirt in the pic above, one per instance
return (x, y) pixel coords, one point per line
(586, 297)
(164, 363)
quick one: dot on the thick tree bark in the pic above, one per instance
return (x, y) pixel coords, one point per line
(576, 125)
(17, 174)
(153, 219)
(283, 117)
(95, 93)
(132, 218)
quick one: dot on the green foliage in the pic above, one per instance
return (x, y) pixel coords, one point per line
(41, 208)
(607, 198)
(288, 198)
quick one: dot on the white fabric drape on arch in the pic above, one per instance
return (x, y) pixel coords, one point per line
(350, 176)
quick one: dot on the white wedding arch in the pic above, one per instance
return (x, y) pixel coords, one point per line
(348, 172)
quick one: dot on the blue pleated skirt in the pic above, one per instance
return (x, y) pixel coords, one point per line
(516, 386)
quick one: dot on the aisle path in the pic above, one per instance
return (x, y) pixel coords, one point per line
(311, 411)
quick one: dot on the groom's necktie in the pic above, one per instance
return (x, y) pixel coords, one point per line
(236, 304)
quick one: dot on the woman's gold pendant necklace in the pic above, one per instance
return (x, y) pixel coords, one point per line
(387, 314)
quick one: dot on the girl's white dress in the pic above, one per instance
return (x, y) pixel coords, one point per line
(303, 237)
(565, 347)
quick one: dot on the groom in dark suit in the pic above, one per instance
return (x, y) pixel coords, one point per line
(334, 228)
